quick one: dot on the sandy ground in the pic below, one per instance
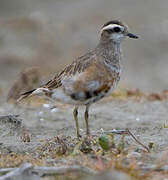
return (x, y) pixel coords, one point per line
(147, 120)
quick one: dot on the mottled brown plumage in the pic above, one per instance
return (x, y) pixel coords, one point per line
(77, 66)
(92, 76)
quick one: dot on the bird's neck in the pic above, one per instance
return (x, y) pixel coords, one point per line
(110, 51)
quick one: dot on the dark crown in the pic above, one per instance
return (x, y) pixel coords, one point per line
(113, 22)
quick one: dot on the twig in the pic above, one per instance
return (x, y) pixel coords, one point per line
(16, 171)
(145, 147)
(127, 131)
(6, 170)
(41, 170)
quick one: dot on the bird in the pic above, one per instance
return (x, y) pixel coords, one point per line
(90, 77)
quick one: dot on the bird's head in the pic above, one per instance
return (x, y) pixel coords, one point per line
(115, 31)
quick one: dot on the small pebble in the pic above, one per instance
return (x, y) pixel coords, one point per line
(137, 119)
(53, 110)
(81, 130)
(102, 130)
(46, 106)
(41, 119)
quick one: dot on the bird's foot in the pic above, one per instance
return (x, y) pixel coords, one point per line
(79, 136)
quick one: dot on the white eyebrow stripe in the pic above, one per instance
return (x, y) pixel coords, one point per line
(111, 26)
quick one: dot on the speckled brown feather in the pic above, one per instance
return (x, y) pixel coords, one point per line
(95, 72)
(77, 66)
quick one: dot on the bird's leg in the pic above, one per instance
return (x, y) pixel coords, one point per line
(86, 120)
(75, 113)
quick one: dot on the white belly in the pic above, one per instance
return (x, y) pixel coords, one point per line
(60, 95)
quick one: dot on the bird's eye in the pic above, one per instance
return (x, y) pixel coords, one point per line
(117, 29)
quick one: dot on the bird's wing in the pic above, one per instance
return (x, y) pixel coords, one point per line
(95, 80)
(78, 66)
(84, 78)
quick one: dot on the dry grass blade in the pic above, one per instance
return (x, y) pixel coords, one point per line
(124, 132)
(145, 147)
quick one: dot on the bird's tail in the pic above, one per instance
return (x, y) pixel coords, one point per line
(38, 91)
(25, 95)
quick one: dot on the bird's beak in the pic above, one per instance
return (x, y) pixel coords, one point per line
(130, 35)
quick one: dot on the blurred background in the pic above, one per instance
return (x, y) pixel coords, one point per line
(51, 33)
